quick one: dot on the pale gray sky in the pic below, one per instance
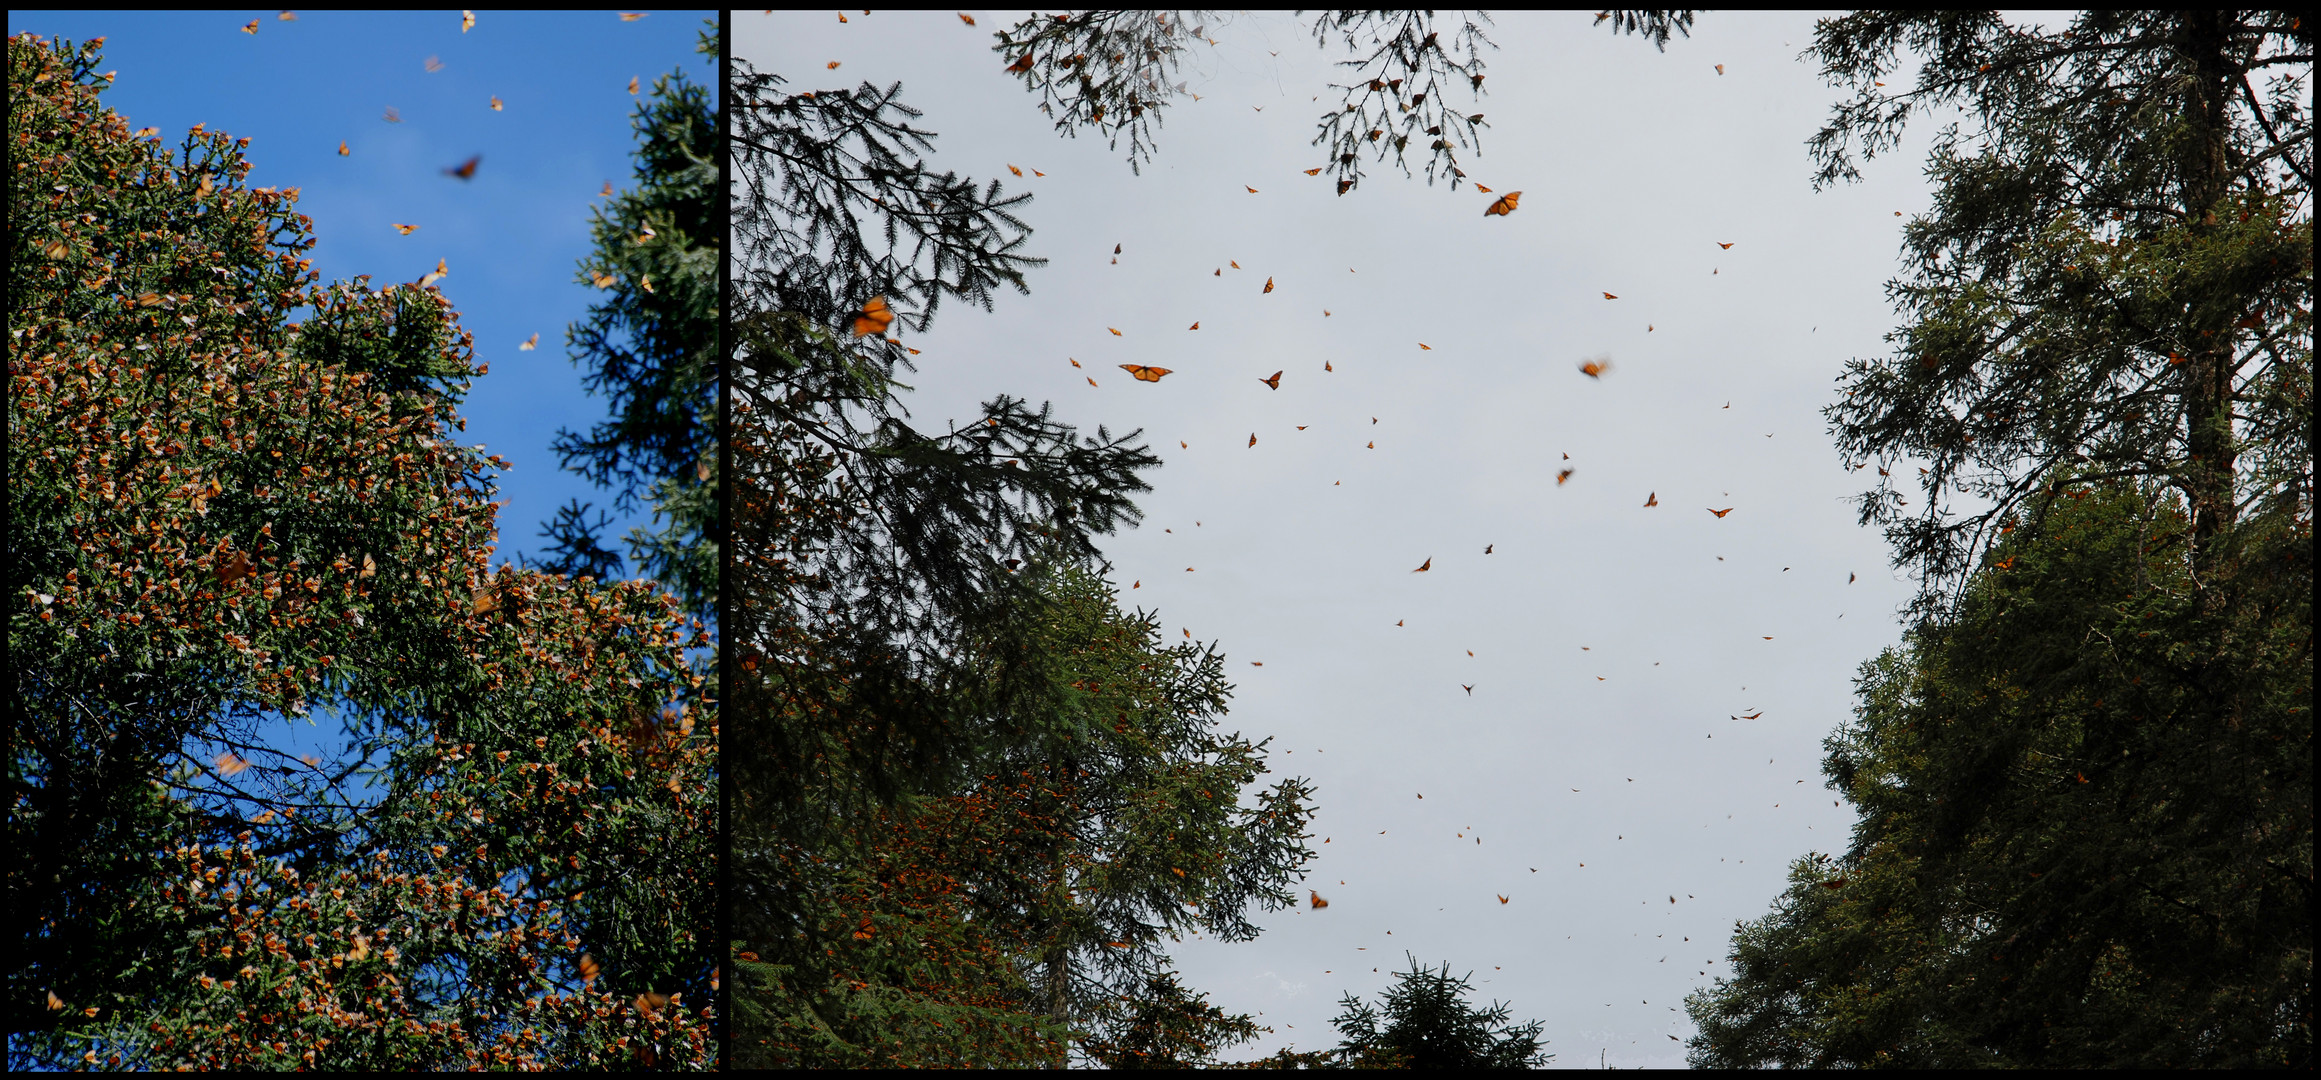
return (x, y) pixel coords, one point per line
(1612, 645)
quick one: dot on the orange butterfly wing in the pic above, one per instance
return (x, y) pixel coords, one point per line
(875, 318)
(1505, 205)
(1143, 373)
(1723, 512)
(1316, 899)
(1273, 381)
(1268, 285)
(466, 169)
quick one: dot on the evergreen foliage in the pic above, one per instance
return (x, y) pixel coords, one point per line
(651, 349)
(1109, 71)
(221, 521)
(2079, 845)
(1423, 1021)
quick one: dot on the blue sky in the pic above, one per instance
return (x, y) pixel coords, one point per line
(511, 236)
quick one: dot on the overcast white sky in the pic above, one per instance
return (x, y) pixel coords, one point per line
(1612, 643)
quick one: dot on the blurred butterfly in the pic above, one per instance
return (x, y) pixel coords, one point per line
(1036, 172)
(875, 318)
(1316, 899)
(1502, 899)
(1143, 373)
(588, 969)
(1652, 499)
(1325, 313)
(1505, 205)
(646, 283)
(602, 281)
(1313, 172)
(1196, 325)
(1022, 63)
(434, 64)
(1562, 476)
(1427, 347)
(440, 272)
(607, 192)
(466, 21)
(1274, 381)
(1483, 189)
(1486, 550)
(465, 170)
(1723, 512)
(251, 28)
(833, 65)
(286, 16)
(403, 229)
(632, 16)
(1838, 884)
(1257, 663)
(1252, 438)
(1720, 69)
(1252, 190)
(1268, 286)
(496, 104)
(1470, 690)
(1425, 566)
(1326, 366)
(1609, 296)
(1233, 264)
(633, 79)
(1594, 367)
(966, 18)
(1724, 245)
(1013, 169)
(342, 149)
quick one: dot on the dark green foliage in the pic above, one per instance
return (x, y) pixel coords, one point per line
(2117, 272)
(1425, 1022)
(1109, 71)
(2086, 820)
(1162, 1025)
(651, 350)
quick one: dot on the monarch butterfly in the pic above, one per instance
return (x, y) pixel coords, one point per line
(1505, 204)
(966, 18)
(1724, 245)
(1562, 476)
(1652, 499)
(1469, 689)
(251, 27)
(234, 569)
(833, 65)
(342, 148)
(1196, 325)
(393, 117)
(1233, 264)
(649, 1002)
(371, 568)
(496, 107)
(466, 21)
(1274, 381)
(1609, 296)
(607, 192)
(602, 281)
(875, 317)
(434, 64)
(1013, 169)
(1268, 286)
(1115, 332)
(405, 230)
(1427, 347)
(1425, 566)
(1313, 172)
(228, 763)
(1252, 190)
(1487, 550)
(632, 16)
(1594, 367)
(633, 79)
(1326, 366)
(1022, 63)
(530, 343)
(1723, 512)
(1143, 373)
(1751, 716)
(1482, 189)
(1316, 899)
(1720, 69)
(1253, 438)
(1502, 899)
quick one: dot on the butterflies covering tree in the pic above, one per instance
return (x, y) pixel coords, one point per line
(2117, 270)
(1109, 71)
(221, 521)
(2078, 847)
(651, 349)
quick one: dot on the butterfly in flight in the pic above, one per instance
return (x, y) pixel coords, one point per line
(1013, 169)
(1143, 373)
(393, 117)
(1326, 366)
(1487, 548)
(1233, 264)
(875, 318)
(966, 18)
(1503, 900)
(1268, 286)
(1022, 63)
(342, 148)
(1724, 245)
(1427, 347)
(465, 170)
(1252, 190)
(1423, 567)
(1313, 172)
(466, 21)
(434, 64)
(496, 104)
(1115, 332)
(1253, 438)
(1317, 900)
(530, 343)
(1274, 381)
(1720, 69)
(1483, 189)
(1653, 499)
(1561, 476)
(1723, 512)
(632, 16)
(1505, 205)
(1609, 296)
(404, 229)
(1470, 689)
(1594, 367)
